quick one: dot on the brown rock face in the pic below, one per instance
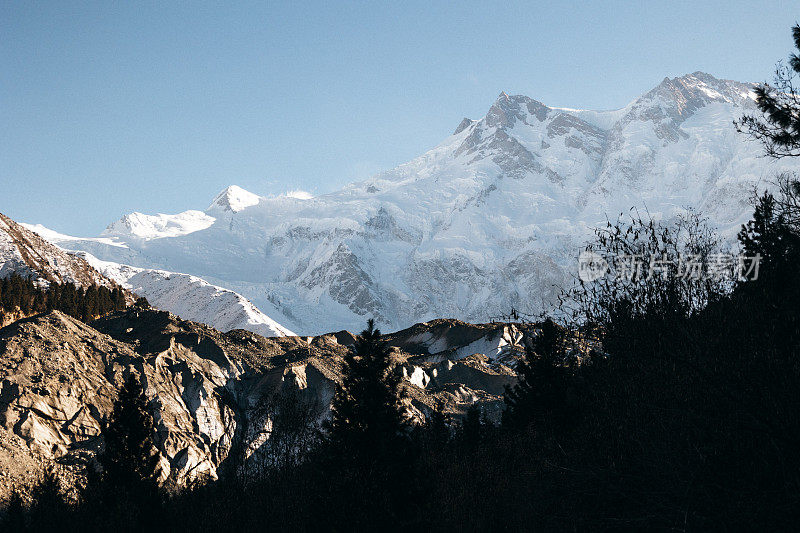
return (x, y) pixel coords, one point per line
(59, 378)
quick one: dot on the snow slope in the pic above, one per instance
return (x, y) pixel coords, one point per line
(191, 298)
(492, 218)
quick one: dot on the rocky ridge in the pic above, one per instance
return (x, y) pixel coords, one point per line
(27, 254)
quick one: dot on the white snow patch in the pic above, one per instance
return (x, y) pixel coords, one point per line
(417, 377)
(299, 195)
(56, 237)
(491, 346)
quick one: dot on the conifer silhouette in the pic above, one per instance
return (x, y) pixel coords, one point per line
(367, 413)
(127, 484)
(540, 393)
(129, 458)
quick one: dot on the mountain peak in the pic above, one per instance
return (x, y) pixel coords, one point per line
(508, 109)
(705, 85)
(234, 199)
(140, 226)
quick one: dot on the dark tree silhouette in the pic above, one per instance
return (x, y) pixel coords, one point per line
(766, 235)
(14, 519)
(293, 430)
(129, 458)
(539, 397)
(127, 485)
(471, 432)
(367, 413)
(437, 427)
(20, 296)
(367, 449)
(49, 510)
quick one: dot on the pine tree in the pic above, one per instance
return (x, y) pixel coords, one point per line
(472, 426)
(128, 486)
(19, 293)
(118, 297)
(768, 236)
(48, 511)
(540, 393)
(437, 429)
(14, 519)
(367, 453)
(129, 457)
(779, 127)
(367, 414)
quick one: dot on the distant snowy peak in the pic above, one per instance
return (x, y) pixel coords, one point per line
(682, 96)
(146, 227)
(508, 110)
(700, 87)
(233, 199)
(524, 137)
(675, 100)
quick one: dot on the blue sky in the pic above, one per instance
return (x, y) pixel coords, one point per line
(114, 107)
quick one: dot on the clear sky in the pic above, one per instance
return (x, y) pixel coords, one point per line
(113, 107)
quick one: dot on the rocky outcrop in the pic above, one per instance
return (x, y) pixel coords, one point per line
(59, 378)
(25, 253)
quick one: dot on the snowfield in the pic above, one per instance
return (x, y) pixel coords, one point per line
(492, 218)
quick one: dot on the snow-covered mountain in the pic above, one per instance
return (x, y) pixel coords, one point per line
(490, 219)
(26, 250)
